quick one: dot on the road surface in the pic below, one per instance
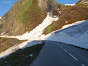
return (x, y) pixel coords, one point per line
(61, 54)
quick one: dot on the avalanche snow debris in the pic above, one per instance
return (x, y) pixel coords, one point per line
(35, 34)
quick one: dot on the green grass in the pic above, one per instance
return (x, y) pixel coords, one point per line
(30, 14)
(27, 15)
(21, 57)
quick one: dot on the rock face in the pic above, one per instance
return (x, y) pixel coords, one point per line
(25, 15)
(50, 6)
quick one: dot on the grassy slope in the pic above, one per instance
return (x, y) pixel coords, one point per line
(6, 43)
(21, 57)
(24, 16)
(70, 14)
(30, 14)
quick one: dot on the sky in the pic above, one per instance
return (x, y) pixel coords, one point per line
(5, 5)
(67, 1)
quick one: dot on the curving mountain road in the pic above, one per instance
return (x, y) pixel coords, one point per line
(61, 54)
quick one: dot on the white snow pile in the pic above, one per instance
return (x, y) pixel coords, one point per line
(36, 33)
(76, 34)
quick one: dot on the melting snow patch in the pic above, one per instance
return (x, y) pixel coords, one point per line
(66, 21)
(31, 55)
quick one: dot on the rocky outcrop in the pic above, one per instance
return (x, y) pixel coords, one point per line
(50, 6)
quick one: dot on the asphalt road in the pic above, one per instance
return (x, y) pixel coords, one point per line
(61, 54)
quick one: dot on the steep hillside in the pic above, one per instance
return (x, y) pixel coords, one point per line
(22, 17)
(25, 15)
(70, 14)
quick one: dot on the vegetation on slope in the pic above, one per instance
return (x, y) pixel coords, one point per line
(6, 43)
(21, 57)
(24, 16)
(70, 14)
(30, 14)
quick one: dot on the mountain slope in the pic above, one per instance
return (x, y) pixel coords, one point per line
(70, 14)
(25, 15)
(26, 21)
(20, 18)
